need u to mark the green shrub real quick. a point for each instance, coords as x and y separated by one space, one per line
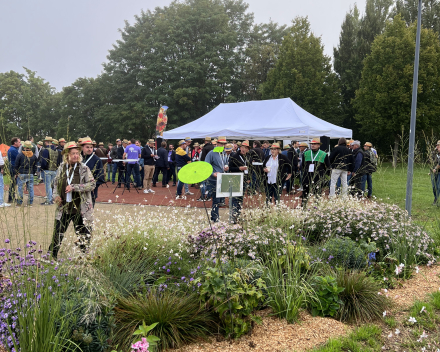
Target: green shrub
435 299
232 298
344 253
424 314
361 300
180 318
327 291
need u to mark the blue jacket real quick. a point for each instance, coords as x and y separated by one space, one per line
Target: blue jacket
218 162
181 157
12 155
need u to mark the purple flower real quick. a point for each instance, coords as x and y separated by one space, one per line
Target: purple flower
183 278
7 240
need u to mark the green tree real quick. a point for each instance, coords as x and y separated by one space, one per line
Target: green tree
383 100
430 12
188 56
27 105
304 74
357 35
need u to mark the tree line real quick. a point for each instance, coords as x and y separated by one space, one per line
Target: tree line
195 54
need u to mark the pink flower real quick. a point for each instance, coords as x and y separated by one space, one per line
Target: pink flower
140 346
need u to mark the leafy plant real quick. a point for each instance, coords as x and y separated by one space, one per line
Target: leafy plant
327 291
146 341
345 253
232 298
179 316
361 298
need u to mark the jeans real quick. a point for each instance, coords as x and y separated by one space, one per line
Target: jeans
49 176
367 178
109 171
25 179
435 180
115 168
132 168
337 175
181 184
61 227
2 188
212 193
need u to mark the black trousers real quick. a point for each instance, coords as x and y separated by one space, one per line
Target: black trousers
172 173
356 185
157 171
61 227
121 171
273 190
95 195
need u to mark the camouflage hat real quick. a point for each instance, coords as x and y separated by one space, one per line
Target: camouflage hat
27 144
54 141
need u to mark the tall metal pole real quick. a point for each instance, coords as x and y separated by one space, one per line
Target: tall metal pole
412 129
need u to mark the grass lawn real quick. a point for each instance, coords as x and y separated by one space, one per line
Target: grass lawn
389 184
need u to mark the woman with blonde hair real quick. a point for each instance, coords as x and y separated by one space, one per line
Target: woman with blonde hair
73 186
278 170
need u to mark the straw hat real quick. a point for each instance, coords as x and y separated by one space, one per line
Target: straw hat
27 144
239 144
94 142
438 142
125 141
275 146
368 144
196 144
187 139
101 143
222 140
54 141
208 139
69 145
48 139
61 140
286 146
118 140
151 141
40 143
244 144
182 142
316 140
228 147
303 144
85 140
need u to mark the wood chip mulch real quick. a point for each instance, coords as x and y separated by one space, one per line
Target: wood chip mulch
276 335
426 281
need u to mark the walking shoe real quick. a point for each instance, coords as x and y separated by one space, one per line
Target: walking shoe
189 193
200 199
151 191
45 197
47 203
113 182
221 204
164 185
146 191
174 184
154 185
180 197
3 205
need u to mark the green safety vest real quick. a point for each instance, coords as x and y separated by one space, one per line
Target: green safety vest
319 158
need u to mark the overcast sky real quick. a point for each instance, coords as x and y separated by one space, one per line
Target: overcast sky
63 39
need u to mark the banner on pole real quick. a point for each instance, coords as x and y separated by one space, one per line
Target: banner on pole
162 120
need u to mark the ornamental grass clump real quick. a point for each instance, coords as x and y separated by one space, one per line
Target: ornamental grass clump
362 299
179 316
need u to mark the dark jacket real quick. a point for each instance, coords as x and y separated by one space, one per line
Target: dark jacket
236 160
120 153
284 168
341 158
359 162
26 164
162 153
173 156
369 166
96 167
101 153
12 155
206 149
45 157
181 157
146 155
292 155
114 152
321 168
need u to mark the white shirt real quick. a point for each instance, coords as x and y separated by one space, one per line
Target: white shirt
2 162
272 174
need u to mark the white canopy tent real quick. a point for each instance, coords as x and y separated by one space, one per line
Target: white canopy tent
264 119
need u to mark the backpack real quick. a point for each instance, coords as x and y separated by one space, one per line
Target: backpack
53 160
373 157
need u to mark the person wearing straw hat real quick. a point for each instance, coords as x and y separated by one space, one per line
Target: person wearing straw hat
370 167
257 175
182 159
220 164
50 160
315 165
61 144
12 156
341 160
435 173
101 153
149 154
25 168
94 164
162 164
240 162
73 187
206 148
277 168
